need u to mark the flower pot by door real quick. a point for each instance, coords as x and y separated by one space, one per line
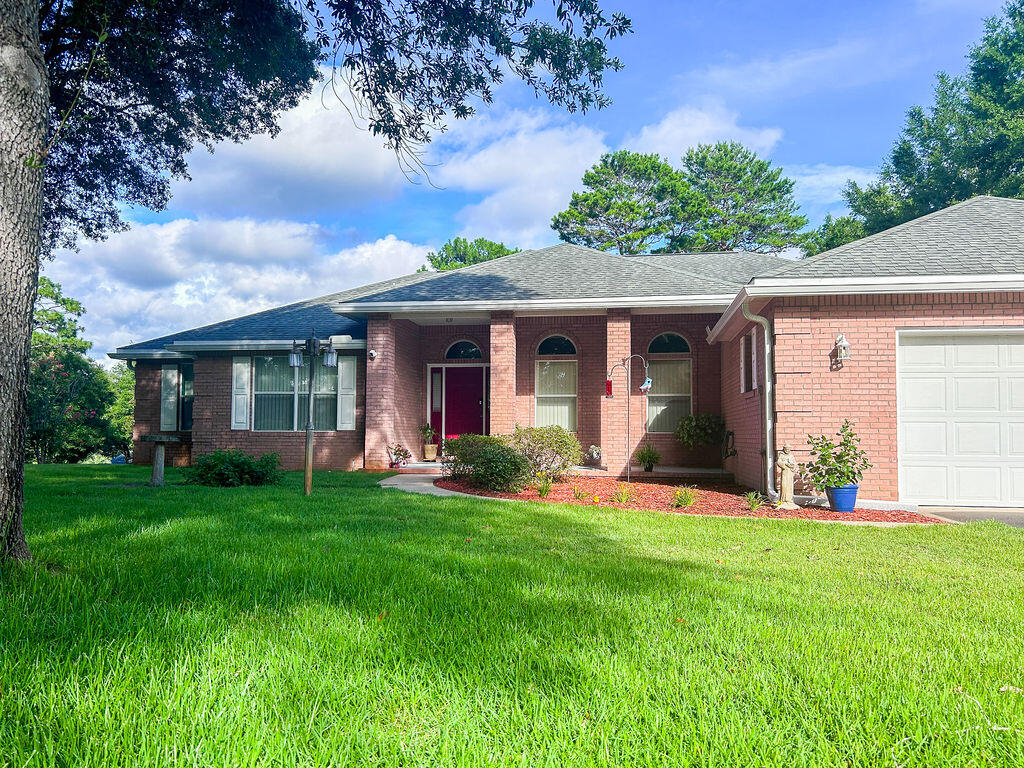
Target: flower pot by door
842 499
430 452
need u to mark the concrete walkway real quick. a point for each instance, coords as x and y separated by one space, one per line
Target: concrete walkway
1009 516
419 484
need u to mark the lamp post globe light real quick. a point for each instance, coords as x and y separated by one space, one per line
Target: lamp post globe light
312 346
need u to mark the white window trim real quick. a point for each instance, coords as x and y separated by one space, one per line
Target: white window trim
669 395
171 383
748 340
341 393
536 385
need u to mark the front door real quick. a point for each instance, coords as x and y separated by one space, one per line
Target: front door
463 401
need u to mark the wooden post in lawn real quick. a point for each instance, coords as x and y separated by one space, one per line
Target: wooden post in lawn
308 480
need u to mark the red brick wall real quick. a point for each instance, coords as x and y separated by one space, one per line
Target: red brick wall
707 392
614 409
342 450
380 391
147 419
744 414
813 399
503 353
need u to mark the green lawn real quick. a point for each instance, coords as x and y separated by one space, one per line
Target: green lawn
243 627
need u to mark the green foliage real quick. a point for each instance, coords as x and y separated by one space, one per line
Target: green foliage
230 469
460 252
754 500
427 432
685 497
578 493
55 320
832 233
700 429
835 463
623 494
121 411
294 605
647 456
747 204
542 484
968 142
632 203
552 451
459 454
497 467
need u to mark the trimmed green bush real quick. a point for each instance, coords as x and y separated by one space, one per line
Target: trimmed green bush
551 451
700 429
499 467
459 453
230 469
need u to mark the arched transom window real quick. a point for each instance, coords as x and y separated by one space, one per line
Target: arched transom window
671 371
556 384
463 350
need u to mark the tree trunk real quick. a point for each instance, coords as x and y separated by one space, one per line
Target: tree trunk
24 100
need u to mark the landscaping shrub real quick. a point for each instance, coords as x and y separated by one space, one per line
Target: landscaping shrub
542 483
685 497
498 467
755 501
624 494
700 429
230 469
460 453
835 463
552 451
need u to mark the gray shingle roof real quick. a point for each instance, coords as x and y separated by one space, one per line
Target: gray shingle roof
557 272
733 266
980 236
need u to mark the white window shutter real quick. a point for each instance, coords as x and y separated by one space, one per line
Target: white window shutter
753 359
168 397
240 392
346 392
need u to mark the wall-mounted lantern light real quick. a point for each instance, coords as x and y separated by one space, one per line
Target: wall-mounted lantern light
842 348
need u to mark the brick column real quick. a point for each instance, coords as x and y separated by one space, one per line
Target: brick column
503 372
380 391
614 454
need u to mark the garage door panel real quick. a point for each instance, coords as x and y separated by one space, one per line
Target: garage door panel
926 483
972 393
924 438
961 438
921 393
977 438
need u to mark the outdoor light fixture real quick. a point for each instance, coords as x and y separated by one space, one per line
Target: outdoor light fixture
842 348
313 347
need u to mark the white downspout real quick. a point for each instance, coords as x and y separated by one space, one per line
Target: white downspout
769 398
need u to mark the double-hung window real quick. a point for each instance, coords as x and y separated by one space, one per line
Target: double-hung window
556 384
176 397
281 396
671 394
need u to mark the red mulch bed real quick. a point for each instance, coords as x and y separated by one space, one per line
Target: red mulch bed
714 499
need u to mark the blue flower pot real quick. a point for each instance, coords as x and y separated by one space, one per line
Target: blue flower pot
842 499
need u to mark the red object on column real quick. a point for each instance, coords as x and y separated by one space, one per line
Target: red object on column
608 388
613 410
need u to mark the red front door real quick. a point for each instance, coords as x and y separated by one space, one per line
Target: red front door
464 398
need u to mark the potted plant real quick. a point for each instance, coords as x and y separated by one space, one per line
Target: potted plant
427 432
399 455
837 467
647 457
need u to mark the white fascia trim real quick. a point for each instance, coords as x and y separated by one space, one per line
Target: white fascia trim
261 344
144 354
704 300
833 286
771 287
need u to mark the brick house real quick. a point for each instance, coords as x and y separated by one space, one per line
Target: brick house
932 310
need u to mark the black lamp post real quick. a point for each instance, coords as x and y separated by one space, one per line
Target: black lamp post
312 346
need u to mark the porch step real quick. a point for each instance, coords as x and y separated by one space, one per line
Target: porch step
420 468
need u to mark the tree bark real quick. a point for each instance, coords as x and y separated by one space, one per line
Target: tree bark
24 101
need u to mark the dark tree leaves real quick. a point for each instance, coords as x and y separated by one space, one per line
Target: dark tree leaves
460 252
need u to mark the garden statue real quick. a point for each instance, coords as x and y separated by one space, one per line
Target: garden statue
787 468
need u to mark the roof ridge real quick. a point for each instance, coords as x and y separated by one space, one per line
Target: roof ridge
686 273
912 223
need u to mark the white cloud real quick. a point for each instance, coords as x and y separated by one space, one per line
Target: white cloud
690 125
319 161
160 278
819 187
526 165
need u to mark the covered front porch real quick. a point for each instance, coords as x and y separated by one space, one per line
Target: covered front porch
486 372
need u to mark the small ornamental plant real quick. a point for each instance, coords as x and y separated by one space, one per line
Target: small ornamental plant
624 494
542 484
578 493
685 497
400 455
427 432
700 429
754 501
647 457
836 462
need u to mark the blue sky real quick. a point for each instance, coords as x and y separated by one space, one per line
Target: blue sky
820 88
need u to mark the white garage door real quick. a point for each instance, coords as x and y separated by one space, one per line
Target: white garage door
961 438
